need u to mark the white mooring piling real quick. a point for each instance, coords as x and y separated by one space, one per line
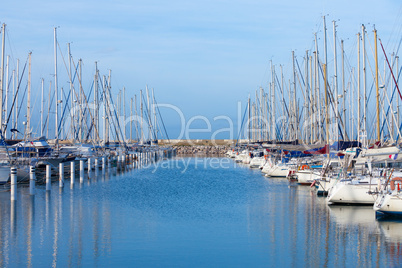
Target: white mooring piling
13 184
61 175
48 178
89 165
103 163
72 171
81 171
32 180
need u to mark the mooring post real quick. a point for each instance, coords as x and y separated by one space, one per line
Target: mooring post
32 180
48 178
89 164
82 171
72 171
13 184
61 175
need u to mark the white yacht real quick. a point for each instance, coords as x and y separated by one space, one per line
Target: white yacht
389 201
257 161
240 156
354 190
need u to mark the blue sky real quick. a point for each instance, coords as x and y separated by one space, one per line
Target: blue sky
202 56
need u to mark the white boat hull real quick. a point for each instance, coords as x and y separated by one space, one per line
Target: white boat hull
256 162
278 171
346 193
389 204
307 177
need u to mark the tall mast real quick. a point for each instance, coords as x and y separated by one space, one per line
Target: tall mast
249 118
48 109
283 101
12 117
311 103
364 79
124 113
136 118
325 81
256 121
306 104
154 110
344 91
61 127
28 125
317 91
264 114
290 133
71 87
358 84
253 121
96 98
149 114
131 120
142 119
104 111
109 87
351 103
80 130
16 99
6 97
273 103
335 86
295 126
2 73
397 102
55 88
377 86
42 107
326 106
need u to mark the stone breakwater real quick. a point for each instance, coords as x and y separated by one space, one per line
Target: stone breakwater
219 150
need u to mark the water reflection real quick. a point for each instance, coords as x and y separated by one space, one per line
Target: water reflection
230 216
30 218
356 222
346 216
392 230
13 218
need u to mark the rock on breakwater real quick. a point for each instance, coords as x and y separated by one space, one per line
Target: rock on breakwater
218 150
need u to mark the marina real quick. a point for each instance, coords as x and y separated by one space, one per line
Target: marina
180 134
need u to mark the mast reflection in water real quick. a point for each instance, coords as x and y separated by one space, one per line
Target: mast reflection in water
190 211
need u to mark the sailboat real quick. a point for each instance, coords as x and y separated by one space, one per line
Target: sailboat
389 201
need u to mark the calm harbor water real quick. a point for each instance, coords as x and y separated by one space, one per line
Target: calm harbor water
191 212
